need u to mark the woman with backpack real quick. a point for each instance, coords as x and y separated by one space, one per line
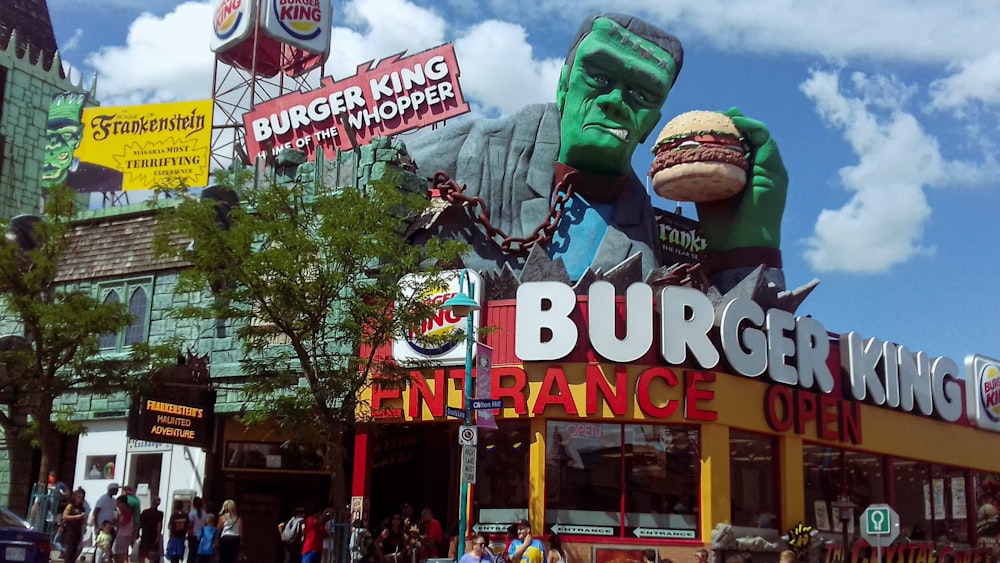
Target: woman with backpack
292 535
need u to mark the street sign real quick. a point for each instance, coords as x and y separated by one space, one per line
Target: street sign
453 412
879 526
468 436
487 404
469 464
583 530
490 528
666 533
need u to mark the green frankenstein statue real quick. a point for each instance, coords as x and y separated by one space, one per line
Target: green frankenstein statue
575 156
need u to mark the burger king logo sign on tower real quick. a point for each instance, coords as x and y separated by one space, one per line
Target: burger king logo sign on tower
300 18
227 18
302 23
231 23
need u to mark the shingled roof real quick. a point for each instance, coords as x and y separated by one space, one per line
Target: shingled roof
29 21
114 246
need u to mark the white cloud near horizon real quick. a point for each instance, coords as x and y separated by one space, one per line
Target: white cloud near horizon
165 58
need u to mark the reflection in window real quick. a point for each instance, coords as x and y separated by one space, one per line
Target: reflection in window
987 504
110 340
137 307
833 476
502 485
591 467
753 469
100 467
933 502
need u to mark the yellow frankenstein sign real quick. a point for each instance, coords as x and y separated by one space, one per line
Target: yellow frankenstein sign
152 146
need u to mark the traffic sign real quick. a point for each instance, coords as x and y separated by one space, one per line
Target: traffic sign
468 436
487 404
469 464
879 525
453 412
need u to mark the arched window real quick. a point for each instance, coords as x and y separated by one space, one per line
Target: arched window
110 340
138 307
137 293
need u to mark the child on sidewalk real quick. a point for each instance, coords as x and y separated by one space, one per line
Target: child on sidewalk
206 540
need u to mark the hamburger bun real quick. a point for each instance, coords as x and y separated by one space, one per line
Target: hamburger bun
699 157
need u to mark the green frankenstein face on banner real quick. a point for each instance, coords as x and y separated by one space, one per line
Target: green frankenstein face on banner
610 98
62 137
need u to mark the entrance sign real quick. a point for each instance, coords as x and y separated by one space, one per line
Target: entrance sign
469 464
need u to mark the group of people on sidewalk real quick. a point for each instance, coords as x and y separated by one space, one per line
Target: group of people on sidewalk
123 532
302 535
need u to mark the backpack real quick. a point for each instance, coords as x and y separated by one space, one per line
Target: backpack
292 534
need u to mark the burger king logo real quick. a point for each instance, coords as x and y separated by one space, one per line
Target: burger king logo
989 391
299 18
441 324
228 16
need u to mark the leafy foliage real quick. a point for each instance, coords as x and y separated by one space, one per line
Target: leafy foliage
55 345
310 280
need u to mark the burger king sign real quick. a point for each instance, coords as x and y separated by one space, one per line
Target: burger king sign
983 391
410 350
231 23
301 23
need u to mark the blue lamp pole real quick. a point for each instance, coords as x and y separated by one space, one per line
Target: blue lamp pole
463 304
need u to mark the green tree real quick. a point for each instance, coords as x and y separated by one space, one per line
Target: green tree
309 279
51 342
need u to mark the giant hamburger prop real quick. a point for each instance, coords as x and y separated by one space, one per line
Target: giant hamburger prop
699 157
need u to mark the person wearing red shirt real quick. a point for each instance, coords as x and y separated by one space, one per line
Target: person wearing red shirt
314 531
432 532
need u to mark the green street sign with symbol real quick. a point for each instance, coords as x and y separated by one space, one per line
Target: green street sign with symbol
879 525
877 521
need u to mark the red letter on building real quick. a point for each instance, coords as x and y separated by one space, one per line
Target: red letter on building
646 404
693 395
614 398
554 391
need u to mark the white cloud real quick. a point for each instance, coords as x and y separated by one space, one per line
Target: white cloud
381 24
499 68
975 80
165 59
882 224
73 42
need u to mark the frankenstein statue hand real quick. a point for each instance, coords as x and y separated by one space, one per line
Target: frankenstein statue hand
752 218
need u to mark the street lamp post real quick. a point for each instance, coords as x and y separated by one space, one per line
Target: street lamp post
464 304
845 511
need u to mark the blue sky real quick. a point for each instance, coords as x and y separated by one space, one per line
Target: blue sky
886 115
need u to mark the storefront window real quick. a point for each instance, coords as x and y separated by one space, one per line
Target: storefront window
988 511
910 478
594 470
839 484
501 493
753 469
950 523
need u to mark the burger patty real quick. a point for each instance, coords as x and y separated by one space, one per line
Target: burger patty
703 153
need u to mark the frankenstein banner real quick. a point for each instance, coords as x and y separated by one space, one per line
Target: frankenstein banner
95 149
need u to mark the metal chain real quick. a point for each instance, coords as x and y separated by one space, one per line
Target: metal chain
452 192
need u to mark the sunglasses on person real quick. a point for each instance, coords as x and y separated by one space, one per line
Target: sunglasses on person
480 543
